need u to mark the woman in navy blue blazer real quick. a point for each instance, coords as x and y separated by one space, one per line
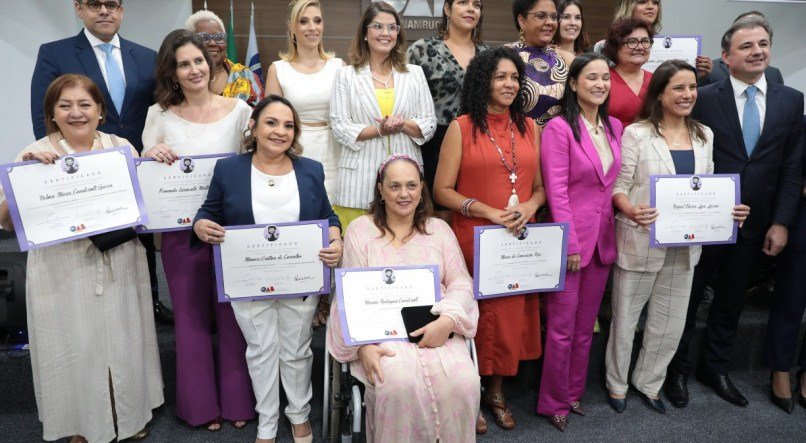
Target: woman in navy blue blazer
272 183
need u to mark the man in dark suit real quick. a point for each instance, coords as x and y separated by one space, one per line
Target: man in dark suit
758 134
123 70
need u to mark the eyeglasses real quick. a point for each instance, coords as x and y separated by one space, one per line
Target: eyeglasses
542 16
95 5
633 43
218 37
379 27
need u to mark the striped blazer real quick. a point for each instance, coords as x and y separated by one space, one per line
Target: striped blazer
644 153
353 107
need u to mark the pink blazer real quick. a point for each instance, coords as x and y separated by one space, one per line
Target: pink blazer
579 191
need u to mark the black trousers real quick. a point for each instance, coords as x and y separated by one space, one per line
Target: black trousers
728 268
151 256
430 151
788 301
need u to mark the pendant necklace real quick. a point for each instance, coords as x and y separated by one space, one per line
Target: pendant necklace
513 177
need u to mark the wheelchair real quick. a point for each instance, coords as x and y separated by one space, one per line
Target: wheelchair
342 405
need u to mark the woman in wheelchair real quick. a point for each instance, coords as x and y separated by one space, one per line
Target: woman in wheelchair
414 392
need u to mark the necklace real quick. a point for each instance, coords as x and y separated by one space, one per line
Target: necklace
513 177
676 140
203 123
385 83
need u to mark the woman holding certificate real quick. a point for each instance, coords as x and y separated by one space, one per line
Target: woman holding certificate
581 152
96 368
189 119
414 393
489 173
379 105
664 141
273 183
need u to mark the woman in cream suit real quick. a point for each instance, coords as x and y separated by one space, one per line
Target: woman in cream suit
664 140
380 105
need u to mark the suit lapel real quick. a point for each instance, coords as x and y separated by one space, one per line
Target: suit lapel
727 101
303 207
589 149
770 116
401 90
663 154
245 180
129 71
86 56
367 95
699 155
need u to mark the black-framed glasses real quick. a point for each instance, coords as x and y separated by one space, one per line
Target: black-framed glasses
542 16
218 37
95 5
392 28
633 43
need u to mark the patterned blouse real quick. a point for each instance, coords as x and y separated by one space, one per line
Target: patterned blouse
444 75
546 73
242 83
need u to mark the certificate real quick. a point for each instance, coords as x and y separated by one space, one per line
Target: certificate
370 300
78 196
279 260
505 264
693 209
674 47
174 193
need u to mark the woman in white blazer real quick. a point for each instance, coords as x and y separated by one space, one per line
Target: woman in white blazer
664 140
380 105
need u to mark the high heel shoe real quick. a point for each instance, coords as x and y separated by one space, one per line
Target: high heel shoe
801 398
784 403
305 439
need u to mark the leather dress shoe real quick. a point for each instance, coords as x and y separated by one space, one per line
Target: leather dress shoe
801 398
787 404
162 314
618 404
676 389
654 404
576 408
723 386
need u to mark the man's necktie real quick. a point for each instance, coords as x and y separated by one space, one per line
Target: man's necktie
114 78
751 121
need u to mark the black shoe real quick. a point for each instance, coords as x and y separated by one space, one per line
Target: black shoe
677 389
618 404
801 398
787 404
162 314
723 386
654 404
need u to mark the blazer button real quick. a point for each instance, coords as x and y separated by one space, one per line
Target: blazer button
598 209
602 188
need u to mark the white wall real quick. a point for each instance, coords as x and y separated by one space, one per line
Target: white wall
711 18
24 25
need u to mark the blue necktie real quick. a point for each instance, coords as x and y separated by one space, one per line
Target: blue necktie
751 121
114 78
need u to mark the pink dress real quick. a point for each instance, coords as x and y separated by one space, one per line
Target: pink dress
428 394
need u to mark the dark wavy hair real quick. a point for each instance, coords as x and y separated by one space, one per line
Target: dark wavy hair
477 88
520 7
358 53
424 210
569 106
442 27
249 143
618 32
581 43
168 93
652 110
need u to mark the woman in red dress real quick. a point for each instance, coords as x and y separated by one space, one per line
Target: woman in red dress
489 173
628 44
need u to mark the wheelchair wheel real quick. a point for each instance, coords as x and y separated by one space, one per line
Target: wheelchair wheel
335 410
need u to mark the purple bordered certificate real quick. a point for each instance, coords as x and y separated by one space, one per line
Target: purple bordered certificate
505 264
370 300
174 193
79 196
694 209
279 260
674 47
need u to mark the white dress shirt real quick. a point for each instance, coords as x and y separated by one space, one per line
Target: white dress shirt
739 88
95 42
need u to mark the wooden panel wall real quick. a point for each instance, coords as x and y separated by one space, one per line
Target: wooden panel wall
341 19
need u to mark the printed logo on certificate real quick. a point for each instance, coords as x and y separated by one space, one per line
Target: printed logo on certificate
694 209
674 47
370 299
79 196
278 260
506 264
174 193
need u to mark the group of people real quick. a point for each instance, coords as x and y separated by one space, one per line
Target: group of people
537 130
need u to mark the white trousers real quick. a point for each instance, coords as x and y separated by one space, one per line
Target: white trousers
278 346
667 293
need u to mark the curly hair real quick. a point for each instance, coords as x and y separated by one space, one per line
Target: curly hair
569 106
652 110
581 43
168 93
249 143
477 89
358 53
424 210
442 27
618 32
203 15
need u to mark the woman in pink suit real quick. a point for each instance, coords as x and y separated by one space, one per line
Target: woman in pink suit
581 159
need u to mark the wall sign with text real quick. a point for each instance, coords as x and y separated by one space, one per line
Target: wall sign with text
419 17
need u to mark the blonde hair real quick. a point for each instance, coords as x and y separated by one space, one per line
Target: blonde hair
203 16
627 7
295 10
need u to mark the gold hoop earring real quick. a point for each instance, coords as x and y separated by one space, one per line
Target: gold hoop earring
521 38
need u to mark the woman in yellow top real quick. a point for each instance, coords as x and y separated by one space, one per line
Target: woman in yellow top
230 79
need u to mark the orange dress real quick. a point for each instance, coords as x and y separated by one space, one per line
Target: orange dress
509 327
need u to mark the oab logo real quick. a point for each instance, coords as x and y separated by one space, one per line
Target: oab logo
513 286
689 236
266 289
391 333
183 221
78 228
